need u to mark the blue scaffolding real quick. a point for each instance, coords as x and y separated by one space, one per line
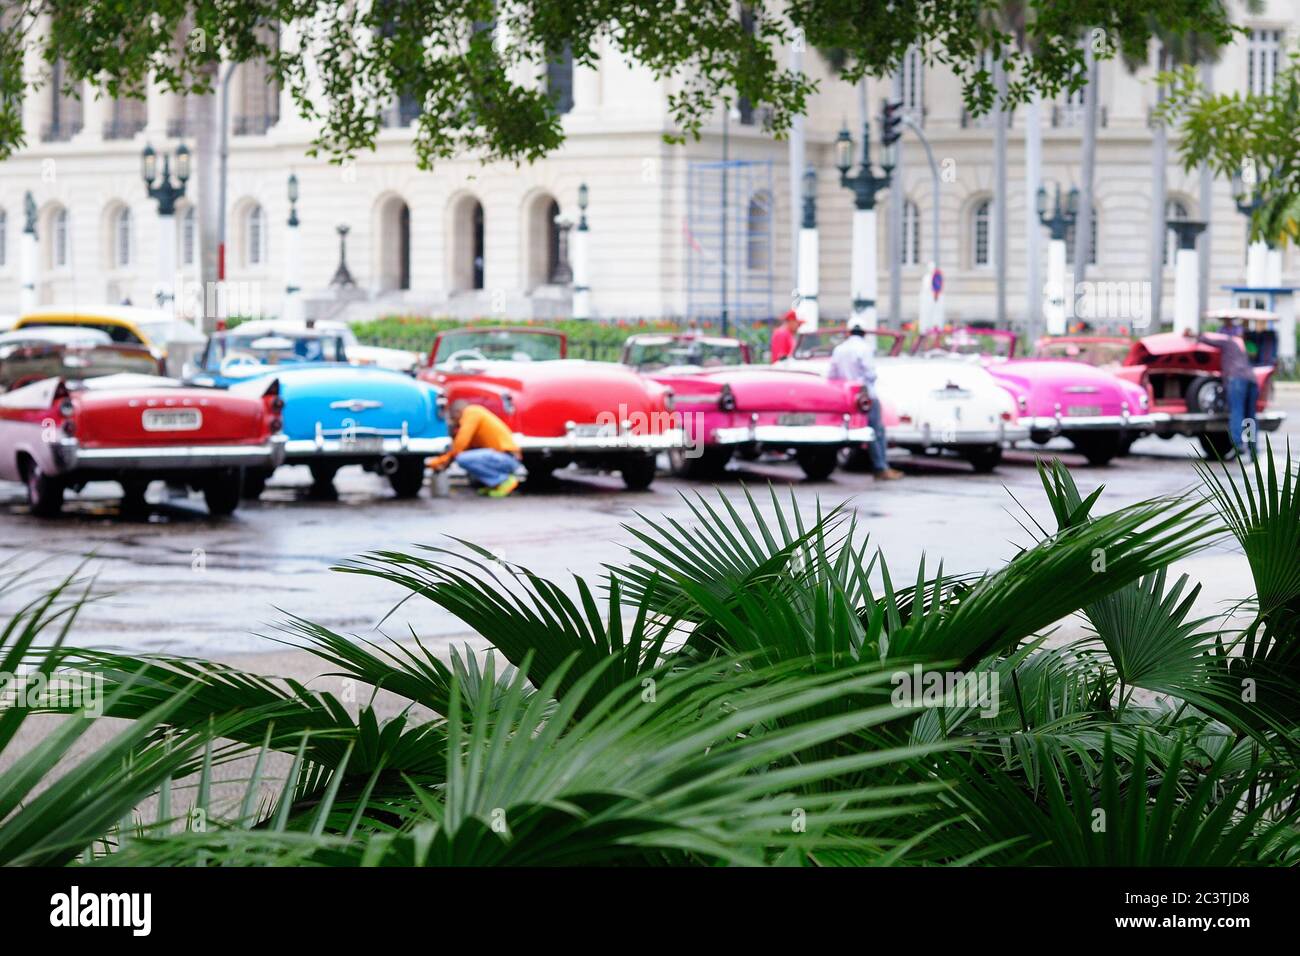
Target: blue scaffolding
729 247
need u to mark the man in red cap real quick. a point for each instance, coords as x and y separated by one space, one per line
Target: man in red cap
783 336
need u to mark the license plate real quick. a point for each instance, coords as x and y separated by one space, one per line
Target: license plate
363 443
594 431
172 419
1083 410
952 393
797 418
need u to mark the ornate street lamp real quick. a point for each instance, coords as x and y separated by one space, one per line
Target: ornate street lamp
342 277
166 193
1058 220
864 184
292 288
808 278
580 254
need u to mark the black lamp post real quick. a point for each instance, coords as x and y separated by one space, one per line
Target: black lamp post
582 207
1061 219
163 190
293 201
864 183
342 277
809 182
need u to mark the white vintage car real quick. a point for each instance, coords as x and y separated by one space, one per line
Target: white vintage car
397 360
929 406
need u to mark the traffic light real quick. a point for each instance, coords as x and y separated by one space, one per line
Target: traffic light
891 118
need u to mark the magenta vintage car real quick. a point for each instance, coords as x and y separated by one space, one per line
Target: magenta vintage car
1099 412
729 406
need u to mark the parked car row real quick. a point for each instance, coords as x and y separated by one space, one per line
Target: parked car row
94 394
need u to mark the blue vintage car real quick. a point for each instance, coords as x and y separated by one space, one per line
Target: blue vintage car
335 413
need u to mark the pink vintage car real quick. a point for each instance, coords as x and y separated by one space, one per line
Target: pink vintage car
1100 412
729 406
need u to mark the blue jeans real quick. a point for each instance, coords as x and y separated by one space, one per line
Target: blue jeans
487 466
877 448
1243 394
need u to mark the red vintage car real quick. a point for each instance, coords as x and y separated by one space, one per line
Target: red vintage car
1184 376
64 432
729 406
596 414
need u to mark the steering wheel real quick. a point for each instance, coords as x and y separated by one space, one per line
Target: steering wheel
238 359
465 355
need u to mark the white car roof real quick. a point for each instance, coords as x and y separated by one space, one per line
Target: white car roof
62 334
287 327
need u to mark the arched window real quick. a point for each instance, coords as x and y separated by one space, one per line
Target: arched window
255 237
467 246
480 260
1092 245
394 246
122 238
1174 209
4 238
189 237
59 251
910 254
980 218
758 232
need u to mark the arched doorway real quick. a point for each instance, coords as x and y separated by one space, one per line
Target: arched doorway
394 230
468 245
542 254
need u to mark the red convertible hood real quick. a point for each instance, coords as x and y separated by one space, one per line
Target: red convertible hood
548 394
113 417
766 389
1165 343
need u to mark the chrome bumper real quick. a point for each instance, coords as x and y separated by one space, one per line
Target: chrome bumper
572 442
1194 423
71 456
364 442
1057 424
928 437
789 435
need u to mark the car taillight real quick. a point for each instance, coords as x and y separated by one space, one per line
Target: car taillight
726 399
1006 416
276 424
66 408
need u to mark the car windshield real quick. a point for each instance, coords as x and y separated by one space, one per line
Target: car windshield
667 351
21 364
964 342
1091 353
262 349
171 330
820 344
507 345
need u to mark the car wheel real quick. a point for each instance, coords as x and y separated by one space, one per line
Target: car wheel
1205 394
44 493
1126 444
638 472
255 480
709 463
408 479
1098 449
541 471
1216 445
985 459
222 492
322 480
857 459
817 463
133 492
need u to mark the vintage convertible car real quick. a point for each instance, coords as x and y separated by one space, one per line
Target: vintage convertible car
31 354
335 414
174 341
929 406
347 349
103 424
1187 388
1099 412
597 414
729 406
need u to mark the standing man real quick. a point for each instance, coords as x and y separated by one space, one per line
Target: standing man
484 446
783 336
1239 383
853 361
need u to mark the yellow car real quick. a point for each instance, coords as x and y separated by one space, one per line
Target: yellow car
171 339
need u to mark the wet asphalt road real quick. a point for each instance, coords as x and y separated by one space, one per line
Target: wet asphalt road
182 583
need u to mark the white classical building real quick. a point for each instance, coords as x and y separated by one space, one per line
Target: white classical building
471 239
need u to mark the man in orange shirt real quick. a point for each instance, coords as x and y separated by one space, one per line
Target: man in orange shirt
484 446
782 344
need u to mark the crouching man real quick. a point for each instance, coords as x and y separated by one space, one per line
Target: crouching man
484 447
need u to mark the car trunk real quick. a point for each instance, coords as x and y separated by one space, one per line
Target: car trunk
166 417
